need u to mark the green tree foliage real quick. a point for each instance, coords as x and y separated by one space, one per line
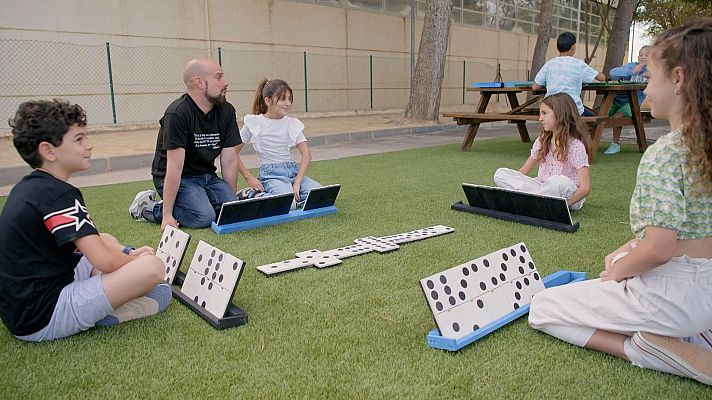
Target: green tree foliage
659 15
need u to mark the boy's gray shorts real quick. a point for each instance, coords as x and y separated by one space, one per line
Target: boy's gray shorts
80 305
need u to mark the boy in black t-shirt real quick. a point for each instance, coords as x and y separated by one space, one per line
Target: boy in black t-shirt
58 274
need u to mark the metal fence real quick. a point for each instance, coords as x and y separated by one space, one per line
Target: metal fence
133 85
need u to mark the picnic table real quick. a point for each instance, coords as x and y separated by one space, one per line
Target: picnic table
519 114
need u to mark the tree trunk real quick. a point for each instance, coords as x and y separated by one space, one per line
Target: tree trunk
542 38
618 39
426 87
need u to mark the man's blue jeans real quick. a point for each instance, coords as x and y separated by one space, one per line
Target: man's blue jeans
198 200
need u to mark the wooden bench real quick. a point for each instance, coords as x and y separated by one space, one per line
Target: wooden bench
595 124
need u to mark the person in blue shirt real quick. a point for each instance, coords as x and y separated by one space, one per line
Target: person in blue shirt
621 106
566 74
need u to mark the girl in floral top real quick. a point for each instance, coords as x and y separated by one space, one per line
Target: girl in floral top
653 302
563 151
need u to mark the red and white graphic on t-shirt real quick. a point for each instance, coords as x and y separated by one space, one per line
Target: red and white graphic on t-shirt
75 216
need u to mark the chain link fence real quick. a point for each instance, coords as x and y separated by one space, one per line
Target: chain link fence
133 85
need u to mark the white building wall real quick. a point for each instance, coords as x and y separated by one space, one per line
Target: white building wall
152 40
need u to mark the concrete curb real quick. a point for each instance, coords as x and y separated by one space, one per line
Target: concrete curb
10 175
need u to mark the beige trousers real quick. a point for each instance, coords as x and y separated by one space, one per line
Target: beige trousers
673 300
557 185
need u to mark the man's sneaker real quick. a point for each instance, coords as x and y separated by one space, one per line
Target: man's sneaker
141 202
613 149
690 360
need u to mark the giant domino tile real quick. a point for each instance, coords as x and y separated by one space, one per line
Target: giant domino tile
210 283
171 250
323 259
471 295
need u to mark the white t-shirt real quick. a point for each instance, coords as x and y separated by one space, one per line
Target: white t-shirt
272 138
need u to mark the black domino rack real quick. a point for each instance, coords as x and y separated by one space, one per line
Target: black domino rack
234 316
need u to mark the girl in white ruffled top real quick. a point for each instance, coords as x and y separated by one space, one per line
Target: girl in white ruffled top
272 134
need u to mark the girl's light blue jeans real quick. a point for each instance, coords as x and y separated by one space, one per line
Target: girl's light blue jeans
279 178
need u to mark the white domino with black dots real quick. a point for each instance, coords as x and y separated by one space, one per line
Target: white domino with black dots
467 297
329 258
171 250
212 278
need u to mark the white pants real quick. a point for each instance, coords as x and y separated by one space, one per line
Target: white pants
557 185
672 300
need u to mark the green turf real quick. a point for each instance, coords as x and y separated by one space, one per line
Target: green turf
356 330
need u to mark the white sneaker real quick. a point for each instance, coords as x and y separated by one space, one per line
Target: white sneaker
140 202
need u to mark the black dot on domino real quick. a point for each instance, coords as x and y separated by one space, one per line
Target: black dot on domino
461 295
434 295
172 233
177 244
451 300
505 257
480 304
536 276
234 266
516 306
220 257
463 283
210 262
200 257
202 281
210 286
521 270
518 285
486 263
430 284
212 253
215 274
494 281
448 290
502 277
220 278
503 266
475 327
168 269
206 271
522 259
443 279
531 265
523 248
465 271
473 267
517 296
456 327
483 286
513 252
526 281
439 306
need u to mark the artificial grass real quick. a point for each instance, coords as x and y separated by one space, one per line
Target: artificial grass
356 330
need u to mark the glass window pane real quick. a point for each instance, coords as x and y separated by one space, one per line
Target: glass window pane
366 4
457 16
507 24
398 7
490 22
491 7
527 27
474 5
471 18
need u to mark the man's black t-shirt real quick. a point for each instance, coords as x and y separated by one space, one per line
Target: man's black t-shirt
203 136
39 223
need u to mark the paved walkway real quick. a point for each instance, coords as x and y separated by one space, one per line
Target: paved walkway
125 156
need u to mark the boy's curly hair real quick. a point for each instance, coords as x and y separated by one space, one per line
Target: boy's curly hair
43 121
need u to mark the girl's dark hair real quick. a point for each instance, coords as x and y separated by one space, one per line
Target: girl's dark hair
43 121
568 125
689 47
275 89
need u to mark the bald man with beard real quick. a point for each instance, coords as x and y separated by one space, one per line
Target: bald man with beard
195 130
